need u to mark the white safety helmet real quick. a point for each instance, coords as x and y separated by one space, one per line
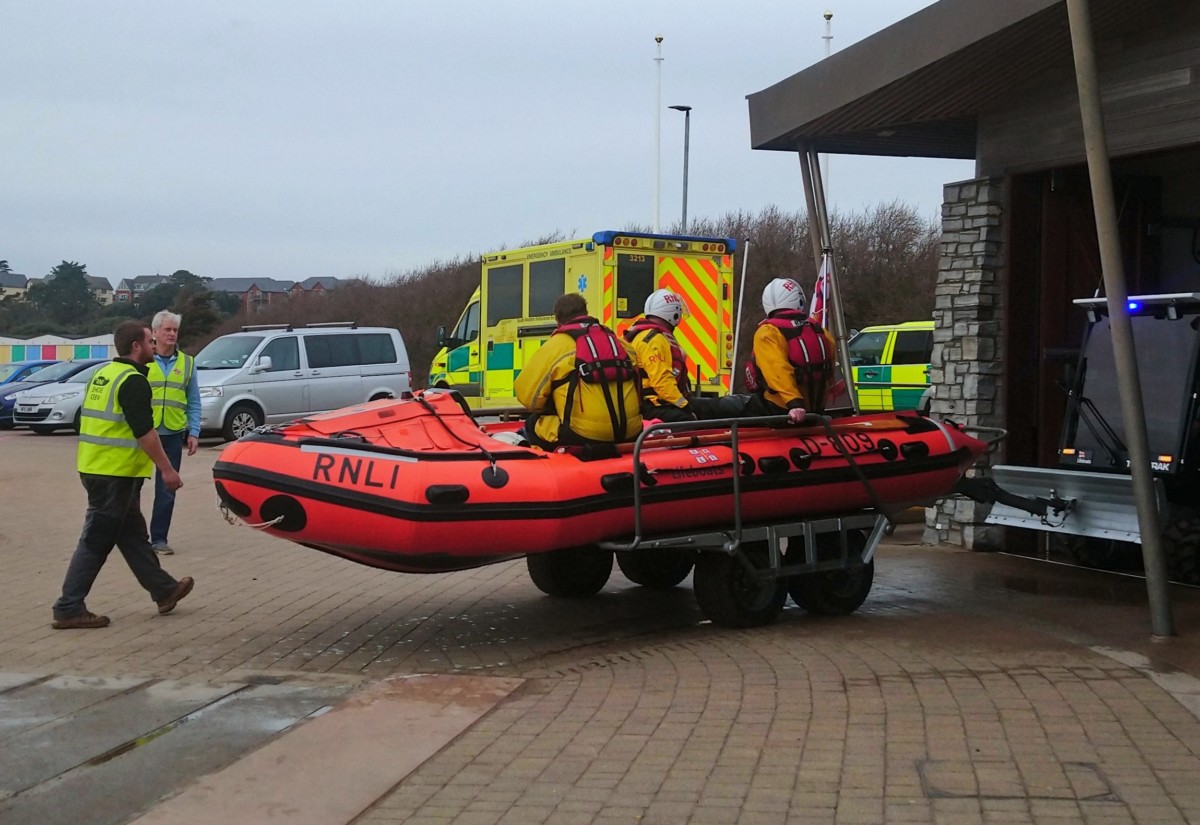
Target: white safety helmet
665 304
783 293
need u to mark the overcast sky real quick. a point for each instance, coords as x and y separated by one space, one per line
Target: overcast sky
373 137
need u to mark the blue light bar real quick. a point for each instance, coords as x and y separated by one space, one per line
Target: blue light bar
1134 306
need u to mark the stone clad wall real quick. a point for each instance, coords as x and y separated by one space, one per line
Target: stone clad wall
966 371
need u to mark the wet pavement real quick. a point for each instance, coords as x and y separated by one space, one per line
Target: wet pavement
969 688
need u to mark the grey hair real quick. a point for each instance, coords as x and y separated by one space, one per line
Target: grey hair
163 315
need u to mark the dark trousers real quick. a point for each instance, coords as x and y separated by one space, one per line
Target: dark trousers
703 408
114 518
164 499
759 406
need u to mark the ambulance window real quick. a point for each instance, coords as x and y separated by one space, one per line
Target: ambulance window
504 293
547 281
635 282
866 349
468 325
912 347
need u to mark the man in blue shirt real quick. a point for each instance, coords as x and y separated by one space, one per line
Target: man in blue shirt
176 397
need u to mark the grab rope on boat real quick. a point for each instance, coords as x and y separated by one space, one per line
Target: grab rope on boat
230 517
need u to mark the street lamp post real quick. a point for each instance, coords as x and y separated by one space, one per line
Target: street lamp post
687 130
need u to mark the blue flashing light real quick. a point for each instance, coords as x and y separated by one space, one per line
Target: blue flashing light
1134 306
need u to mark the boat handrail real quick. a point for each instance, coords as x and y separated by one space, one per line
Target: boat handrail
734 425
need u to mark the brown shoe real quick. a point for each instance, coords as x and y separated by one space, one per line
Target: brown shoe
182 588
82 621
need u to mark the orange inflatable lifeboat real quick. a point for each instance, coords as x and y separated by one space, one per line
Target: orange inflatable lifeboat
419 486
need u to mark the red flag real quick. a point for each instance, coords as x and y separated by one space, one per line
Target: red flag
820 294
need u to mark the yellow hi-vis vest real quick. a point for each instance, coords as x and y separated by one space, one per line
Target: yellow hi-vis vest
169 392
106 443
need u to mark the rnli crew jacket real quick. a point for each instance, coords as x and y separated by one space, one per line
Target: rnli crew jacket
652 355
176 393
542 385
779 374
115 414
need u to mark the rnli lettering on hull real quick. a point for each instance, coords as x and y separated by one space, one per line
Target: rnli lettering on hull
361 472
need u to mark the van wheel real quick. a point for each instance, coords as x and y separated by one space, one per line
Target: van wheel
379 396
242 419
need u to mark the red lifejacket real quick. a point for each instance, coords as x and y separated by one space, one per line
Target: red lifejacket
808 352
657 326
600 359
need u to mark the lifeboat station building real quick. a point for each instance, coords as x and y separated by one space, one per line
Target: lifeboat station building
995 82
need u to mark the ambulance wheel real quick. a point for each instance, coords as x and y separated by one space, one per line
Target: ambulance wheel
731 596
656 569
835 592
571 573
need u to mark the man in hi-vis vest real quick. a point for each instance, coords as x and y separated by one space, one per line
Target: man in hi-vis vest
118 449
176 395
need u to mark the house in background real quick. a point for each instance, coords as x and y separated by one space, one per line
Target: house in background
102 290
12 283
314 286
254 293
130 290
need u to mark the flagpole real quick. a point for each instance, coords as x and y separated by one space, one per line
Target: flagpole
822 239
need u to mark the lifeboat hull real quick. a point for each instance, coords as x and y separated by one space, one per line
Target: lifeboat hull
418 486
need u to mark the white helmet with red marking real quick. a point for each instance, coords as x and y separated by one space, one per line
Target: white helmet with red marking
665 304
783 293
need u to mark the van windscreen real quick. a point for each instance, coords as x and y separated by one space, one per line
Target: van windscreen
228 352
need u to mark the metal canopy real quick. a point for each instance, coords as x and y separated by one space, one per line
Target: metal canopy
917 87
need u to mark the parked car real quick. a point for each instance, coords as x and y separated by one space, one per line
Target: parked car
20 370
891 366
277 373
54 405
55 372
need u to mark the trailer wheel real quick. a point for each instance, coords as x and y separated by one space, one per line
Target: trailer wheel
1181 546
729 595
572 572
656 569
835 592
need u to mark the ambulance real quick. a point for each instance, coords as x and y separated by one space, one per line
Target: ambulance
511 313
891 366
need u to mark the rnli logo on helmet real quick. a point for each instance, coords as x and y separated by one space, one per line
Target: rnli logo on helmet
790 286
670 298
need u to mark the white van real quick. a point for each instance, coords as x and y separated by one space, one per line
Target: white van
276 373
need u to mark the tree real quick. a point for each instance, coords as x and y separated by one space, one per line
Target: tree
4 268
157 298
65 295
196 304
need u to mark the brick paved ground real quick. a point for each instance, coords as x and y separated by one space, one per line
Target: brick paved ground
969 689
